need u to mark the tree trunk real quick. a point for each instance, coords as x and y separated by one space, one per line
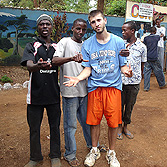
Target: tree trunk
15 50
100 5
35 4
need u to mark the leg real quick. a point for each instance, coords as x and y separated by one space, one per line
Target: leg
132 92
147 75
81 115
95 133
34 118
70 106
161 56
54 113
94 153
158 73
123 102
112 135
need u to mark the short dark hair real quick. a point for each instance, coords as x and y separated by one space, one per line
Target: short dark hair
157 19
93 13
152 29
79 20
132 24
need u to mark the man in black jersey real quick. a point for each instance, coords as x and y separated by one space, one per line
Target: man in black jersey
43 92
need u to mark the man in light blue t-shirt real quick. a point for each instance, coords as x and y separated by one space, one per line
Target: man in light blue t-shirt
103 70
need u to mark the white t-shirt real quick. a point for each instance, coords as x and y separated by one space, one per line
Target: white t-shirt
159 31
67 47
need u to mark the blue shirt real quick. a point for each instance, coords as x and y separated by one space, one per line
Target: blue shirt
105 62
151 42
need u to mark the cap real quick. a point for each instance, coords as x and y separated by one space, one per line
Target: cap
44 17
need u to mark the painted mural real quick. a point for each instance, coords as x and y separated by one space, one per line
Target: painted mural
18 27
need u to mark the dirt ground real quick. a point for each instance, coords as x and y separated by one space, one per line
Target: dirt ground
147 149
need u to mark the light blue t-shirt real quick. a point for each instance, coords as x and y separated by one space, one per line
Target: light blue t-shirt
105 62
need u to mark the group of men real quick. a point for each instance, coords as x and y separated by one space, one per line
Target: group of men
102 58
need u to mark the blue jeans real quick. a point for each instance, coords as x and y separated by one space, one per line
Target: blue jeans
161 56
73 109
157 69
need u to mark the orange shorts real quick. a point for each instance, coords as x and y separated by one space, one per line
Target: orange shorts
107 101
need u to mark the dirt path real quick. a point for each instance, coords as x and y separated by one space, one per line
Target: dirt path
147 149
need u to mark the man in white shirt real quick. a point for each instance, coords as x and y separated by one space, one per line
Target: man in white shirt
161 32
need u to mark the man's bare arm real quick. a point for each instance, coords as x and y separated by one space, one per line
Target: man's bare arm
74 80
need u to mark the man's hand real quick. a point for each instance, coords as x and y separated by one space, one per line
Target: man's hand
124 52
78 58
71 82
128 72
43 64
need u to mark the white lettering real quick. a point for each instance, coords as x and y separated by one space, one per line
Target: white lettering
47 71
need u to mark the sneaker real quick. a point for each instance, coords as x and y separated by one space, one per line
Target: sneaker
112 160
55 162
32 163
92 157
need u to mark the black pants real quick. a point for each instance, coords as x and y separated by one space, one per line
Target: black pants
129 95
34 118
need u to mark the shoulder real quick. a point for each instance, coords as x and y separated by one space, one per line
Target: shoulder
117 38
33 44
141 45
64 40
89 41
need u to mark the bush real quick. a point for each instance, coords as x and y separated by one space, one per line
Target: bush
13 60
5 43
5 49
5 79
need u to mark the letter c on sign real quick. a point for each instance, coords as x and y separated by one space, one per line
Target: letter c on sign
133 10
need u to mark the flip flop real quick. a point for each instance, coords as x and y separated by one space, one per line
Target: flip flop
74 162
129 135
102 148
119 136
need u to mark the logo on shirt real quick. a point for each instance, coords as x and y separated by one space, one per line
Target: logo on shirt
47 71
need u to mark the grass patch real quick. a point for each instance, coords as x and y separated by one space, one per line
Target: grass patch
24 41
6 54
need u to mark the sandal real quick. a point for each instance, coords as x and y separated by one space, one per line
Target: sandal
129 135
102 148
119 136
74 162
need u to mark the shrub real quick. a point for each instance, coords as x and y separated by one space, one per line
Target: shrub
5 79
5 49
5 43
13 60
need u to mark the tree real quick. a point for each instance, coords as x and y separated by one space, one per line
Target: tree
19 24
100 5
60 27
113 7
109 7
2 29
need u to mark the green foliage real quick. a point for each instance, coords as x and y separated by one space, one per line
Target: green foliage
77 6
117 7
5 79
13 60
5 54
2 29
25 3
24 41
5 44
